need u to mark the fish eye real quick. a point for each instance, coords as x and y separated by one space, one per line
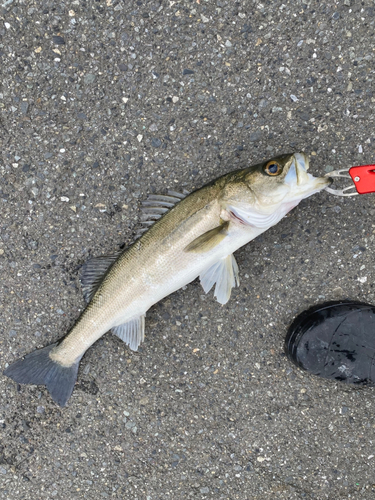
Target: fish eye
273 168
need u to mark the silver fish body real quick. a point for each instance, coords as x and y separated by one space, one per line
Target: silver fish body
196 237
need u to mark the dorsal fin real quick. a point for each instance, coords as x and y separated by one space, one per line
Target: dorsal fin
157 205
177 194
93 272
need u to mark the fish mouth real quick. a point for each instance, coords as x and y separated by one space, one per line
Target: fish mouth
300 180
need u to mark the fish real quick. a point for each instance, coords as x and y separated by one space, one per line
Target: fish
185 236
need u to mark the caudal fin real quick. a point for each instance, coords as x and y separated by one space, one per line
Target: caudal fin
38 368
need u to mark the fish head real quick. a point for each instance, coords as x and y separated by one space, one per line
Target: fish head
271 188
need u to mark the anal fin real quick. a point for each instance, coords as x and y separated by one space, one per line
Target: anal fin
132 332
225 274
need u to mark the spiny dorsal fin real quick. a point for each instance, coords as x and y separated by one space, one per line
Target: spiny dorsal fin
157 205
132 332
93 272
177 194
225 274
207 241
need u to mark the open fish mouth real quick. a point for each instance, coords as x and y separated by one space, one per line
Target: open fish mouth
302 160
300 181
297 174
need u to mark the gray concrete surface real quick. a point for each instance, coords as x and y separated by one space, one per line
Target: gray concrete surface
103 102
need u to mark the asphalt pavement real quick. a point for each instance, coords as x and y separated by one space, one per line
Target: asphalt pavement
103 102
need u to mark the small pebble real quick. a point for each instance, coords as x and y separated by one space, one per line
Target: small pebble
156 143
89 78
24 107
58 40
255 136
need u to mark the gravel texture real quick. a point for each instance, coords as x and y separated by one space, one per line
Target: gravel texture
102 102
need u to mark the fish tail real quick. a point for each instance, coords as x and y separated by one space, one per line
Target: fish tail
39 369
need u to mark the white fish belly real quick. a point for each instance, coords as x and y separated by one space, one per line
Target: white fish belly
191 265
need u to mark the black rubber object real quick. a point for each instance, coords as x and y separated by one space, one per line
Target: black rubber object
335 340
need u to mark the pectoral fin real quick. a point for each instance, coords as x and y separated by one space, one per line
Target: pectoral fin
132 332
225 274
207 241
